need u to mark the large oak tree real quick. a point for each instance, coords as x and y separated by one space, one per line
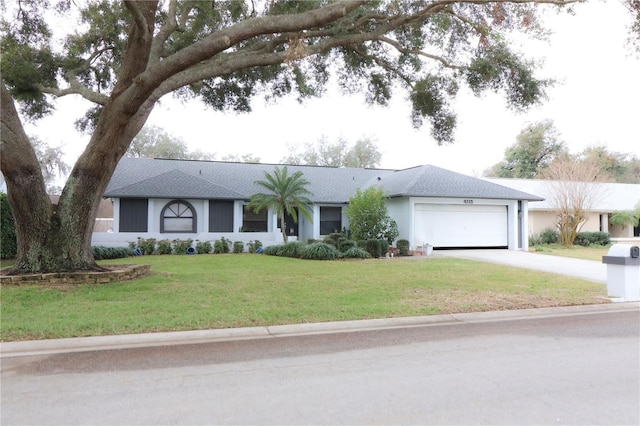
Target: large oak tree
124 57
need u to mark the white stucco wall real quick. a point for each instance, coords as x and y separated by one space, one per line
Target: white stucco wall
306 229
402 210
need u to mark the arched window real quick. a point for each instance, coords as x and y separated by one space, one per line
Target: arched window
178 216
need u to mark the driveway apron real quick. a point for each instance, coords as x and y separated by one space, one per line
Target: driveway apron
586 269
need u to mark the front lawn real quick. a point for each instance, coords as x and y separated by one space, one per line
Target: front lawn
222 291
579 252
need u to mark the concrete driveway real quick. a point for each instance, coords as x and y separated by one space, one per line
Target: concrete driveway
586 269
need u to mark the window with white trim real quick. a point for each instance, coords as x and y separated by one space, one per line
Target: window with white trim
178 216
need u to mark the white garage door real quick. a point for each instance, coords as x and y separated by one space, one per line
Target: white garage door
443 225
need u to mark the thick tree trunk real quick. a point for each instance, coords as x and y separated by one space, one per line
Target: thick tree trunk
30 204
54 238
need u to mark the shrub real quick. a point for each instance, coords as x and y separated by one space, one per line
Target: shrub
319 251
373 247
587 239
292 249
384 247
147 246
330 241
344 245
335 237
203 247
222 246
274 250
403 247
181 246
102 252
164 247
238 247
356 253
535 240
601 238
254 245
368 216
8 241
549 236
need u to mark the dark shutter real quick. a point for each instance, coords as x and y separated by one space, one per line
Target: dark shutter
220 216
134 214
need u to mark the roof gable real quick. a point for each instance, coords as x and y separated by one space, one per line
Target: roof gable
176 184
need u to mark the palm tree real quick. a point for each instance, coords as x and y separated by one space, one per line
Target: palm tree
626 217
285 195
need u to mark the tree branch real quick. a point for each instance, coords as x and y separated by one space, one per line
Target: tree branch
165 31
138 16
401 49
75 88
221 40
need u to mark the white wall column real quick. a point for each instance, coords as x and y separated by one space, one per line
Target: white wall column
237 215
604 222
153 219
203 221
512 223
316 222
116 214
525 225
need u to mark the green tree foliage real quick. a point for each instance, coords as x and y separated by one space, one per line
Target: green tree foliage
286 194
364 153
537 145
8 244
154 142
52 165
123 57
368 217
621 167
244 158
626 217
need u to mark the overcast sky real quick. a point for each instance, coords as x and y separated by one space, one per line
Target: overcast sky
596 101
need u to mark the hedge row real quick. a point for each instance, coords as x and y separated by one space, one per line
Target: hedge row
315 251
151 246
586 239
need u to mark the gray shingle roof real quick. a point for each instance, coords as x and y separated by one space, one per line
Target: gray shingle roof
432 181
161 178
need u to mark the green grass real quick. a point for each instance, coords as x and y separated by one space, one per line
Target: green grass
6 262
222 291
578 252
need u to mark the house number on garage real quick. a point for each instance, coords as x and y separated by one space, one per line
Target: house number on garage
468 201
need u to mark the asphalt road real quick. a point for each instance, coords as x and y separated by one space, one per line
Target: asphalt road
571 369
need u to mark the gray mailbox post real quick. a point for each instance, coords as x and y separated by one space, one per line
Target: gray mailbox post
623 272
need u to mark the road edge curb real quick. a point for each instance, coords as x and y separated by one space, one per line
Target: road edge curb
130 341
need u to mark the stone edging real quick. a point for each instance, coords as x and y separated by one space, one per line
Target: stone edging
122 273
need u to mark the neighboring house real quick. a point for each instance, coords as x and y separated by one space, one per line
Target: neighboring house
104 215
614 197
206 200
